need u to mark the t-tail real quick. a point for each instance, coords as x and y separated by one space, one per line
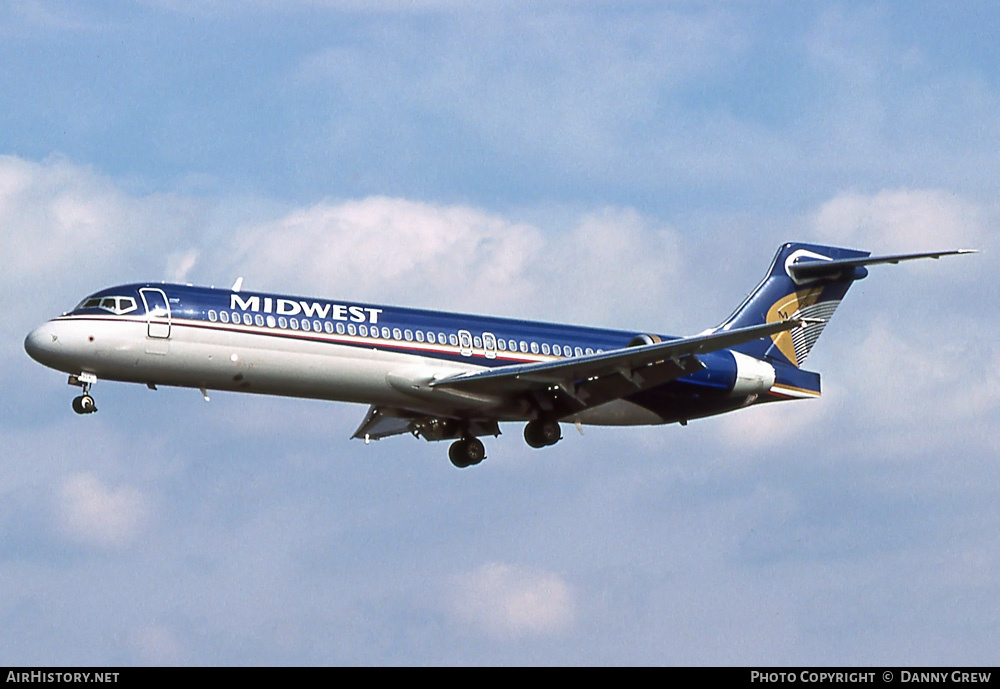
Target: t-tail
785 294
805 282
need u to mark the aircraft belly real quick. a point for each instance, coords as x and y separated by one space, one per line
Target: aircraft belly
275 366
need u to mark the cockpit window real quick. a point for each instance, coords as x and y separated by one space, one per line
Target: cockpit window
116 305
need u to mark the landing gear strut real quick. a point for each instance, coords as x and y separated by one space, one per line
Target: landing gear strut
84 404
466 452
542 433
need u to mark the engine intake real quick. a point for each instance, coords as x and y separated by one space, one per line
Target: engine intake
643 339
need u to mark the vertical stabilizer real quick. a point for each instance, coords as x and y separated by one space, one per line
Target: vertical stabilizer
783 295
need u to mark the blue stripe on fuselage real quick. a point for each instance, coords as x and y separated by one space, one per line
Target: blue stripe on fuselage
190 306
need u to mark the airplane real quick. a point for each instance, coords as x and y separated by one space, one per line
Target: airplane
445 376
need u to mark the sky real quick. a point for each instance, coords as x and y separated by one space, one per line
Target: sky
622 164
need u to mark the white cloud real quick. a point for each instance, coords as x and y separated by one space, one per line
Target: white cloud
93 513
66 230
456 257
386 248
901 220
927 393
508 601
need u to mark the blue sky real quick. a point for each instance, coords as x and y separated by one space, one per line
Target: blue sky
631 165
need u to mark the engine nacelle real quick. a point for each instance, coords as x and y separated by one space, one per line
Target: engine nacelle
643 339
753 376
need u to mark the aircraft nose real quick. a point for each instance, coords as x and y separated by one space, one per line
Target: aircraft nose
41 343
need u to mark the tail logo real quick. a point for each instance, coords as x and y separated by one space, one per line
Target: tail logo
795 256
795 344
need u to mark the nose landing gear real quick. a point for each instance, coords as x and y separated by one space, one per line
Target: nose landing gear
84 404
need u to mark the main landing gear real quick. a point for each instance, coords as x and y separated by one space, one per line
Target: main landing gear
542 433
469 451
466 452
84 404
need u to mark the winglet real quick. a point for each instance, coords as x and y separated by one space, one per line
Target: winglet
238 285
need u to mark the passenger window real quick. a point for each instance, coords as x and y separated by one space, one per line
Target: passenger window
534 348
524 347
408 335
557 350
453 339
579 352
270 322
545 348
247 319
589 350
341 329
258 320
224 317
477 342
212 315
420 336
502 345
396 334
294 322
352 329
282 322
328 327
305 325
385 333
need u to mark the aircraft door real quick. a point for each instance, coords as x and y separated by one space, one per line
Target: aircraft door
490 345
465 342
157 312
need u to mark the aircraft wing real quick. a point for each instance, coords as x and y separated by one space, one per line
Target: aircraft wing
639 367
814 268
562 386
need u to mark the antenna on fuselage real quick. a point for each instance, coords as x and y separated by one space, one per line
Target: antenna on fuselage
238 285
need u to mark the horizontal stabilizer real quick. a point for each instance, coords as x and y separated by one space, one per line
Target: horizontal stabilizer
816 268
